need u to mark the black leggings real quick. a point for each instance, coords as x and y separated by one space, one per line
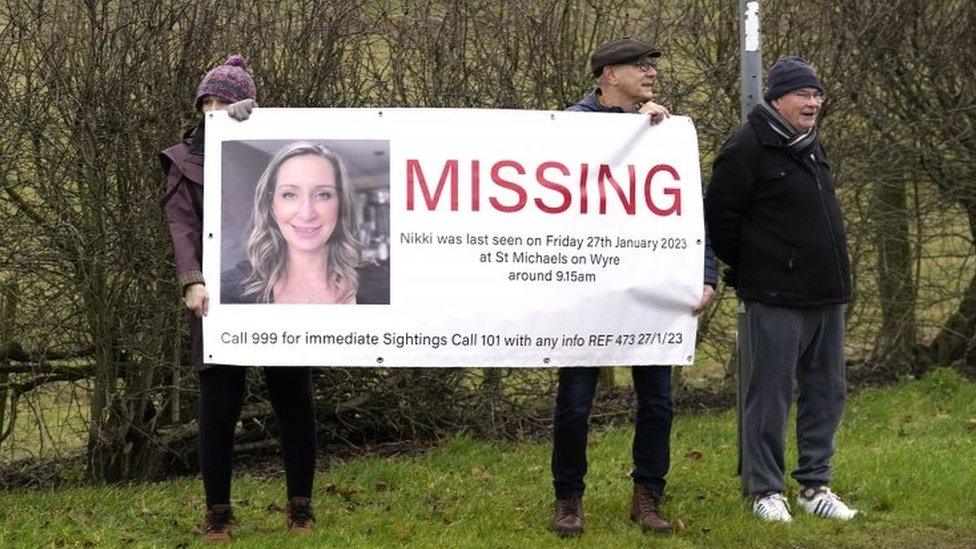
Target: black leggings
221 397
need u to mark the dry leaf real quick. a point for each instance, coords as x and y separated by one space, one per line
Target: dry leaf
479 473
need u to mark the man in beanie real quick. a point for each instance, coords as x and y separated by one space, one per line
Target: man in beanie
625 70
775 220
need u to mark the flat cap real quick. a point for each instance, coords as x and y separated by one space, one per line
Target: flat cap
621 50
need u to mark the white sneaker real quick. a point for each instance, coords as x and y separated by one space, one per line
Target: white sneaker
772 507
821 502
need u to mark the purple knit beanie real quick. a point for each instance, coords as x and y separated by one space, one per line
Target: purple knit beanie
788 74
229 82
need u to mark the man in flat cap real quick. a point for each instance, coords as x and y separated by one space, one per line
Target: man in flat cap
625 70
776 222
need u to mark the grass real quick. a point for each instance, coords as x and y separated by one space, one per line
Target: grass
905 459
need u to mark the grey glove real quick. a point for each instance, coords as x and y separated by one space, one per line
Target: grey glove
241 110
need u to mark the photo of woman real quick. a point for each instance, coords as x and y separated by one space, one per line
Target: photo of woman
304 245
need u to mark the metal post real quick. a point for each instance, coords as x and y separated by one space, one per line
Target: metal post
750 67
750 64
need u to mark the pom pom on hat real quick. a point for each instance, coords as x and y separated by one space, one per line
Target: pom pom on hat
229 82
236 60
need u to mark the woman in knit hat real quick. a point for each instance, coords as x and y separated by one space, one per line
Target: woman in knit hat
230 87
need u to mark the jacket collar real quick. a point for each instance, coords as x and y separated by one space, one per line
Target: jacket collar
592 103
765 134
768 137
195 158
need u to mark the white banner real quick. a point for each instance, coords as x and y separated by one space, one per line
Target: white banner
492 238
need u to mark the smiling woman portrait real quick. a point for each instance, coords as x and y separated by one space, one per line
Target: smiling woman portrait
302 246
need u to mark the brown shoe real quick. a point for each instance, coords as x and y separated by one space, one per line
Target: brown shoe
646 509
568 520
300 516
217 523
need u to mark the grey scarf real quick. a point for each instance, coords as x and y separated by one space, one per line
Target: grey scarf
798 143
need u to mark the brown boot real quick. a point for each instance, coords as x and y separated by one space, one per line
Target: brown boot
568 520
217 523
646 509
300 516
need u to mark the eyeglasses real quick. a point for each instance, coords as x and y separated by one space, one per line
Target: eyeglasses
806 97
643 66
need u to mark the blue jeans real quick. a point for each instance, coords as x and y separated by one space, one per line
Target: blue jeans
652 436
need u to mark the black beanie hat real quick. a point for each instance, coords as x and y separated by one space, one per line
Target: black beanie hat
788 74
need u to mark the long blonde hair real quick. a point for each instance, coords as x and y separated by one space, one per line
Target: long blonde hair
266 247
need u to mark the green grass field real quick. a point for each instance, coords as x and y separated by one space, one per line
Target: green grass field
906 459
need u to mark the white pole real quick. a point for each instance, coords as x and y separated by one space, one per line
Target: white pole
750 67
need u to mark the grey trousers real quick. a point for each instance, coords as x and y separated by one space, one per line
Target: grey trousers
805 343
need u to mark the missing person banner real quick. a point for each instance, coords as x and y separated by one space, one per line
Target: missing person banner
448 237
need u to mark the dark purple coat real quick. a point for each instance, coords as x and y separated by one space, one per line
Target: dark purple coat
183 204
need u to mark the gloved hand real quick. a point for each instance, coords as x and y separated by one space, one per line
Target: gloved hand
241 110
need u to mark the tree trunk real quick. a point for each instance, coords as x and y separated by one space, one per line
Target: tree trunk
492 381
8 310
104 444
957 333
895 349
